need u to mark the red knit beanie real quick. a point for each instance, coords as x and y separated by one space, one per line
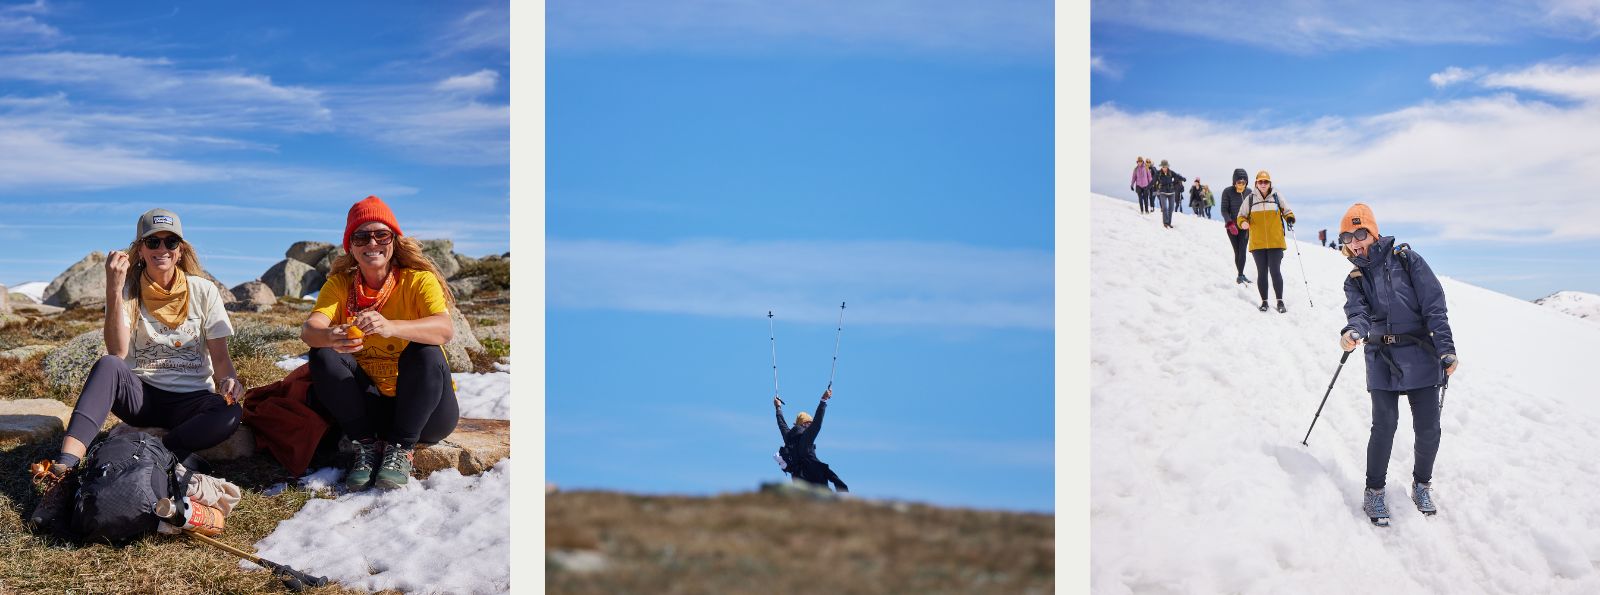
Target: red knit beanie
368 209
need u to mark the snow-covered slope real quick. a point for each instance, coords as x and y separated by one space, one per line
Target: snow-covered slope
1576 303
33 289
1199 403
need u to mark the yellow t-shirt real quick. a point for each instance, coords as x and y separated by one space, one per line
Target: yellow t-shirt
417 294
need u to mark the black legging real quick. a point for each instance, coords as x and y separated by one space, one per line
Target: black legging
195 420
423 408
1424 423
1144 198
1269 259
1241 245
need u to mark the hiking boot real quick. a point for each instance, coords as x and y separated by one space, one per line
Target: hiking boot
366 458
55 484
1377 510
1263 305
1281 309
1422 495
395 470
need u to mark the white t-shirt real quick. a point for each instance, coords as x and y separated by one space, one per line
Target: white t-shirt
171 359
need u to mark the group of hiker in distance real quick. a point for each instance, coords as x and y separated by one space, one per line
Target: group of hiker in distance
1394 308
377 374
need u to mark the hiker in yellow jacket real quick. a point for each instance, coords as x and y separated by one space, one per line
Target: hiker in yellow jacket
1266 215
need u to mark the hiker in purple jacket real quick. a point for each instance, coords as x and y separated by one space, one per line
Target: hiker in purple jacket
1141 184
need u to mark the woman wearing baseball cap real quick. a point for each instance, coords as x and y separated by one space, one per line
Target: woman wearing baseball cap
1265 215
167 364
376 337
1395 306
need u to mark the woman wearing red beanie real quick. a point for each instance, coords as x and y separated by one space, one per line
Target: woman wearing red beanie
376 333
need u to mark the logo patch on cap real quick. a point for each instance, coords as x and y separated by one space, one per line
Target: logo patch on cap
1355 221
161 219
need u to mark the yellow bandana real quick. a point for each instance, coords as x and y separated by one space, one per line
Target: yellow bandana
170 306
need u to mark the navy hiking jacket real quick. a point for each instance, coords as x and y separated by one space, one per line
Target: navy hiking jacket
1395 294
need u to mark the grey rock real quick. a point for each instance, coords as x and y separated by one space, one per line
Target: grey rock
462 345
222 290
5 304
68 365
577 561
465 261
82 285
308 252
465 288
36 309
20 298
325 264
474 447
292 278
253 296
442 253
25 352
27 420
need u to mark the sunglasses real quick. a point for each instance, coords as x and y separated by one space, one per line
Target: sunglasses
381 236
171 242
1359 234
1260 182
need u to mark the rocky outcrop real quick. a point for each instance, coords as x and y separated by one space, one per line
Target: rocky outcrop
474 447
68 365
325 264
308 252
467 287
292 278
28 420
442 253
222 290
253 296
462 345
25 352
82 285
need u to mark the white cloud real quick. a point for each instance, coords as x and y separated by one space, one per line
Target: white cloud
1450 76
1097 63
477 83
1319 25
916 283
37 158
1497 168
485 28
19 26
919 25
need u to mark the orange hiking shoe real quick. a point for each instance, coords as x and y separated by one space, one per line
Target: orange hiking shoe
55 484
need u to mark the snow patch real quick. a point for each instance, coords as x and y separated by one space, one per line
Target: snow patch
444 534
1199 402
322 479
290 363
1576 303
32 289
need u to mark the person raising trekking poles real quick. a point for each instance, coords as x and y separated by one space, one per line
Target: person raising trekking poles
800 442
376 337
167 364
1265 216
1141 184
1395 306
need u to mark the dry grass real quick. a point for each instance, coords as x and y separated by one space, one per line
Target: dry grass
25 379
766 543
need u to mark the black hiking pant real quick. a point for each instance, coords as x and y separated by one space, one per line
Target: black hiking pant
194 420
1269 260
423 408
1241 243
819 473
1386 417
1144 198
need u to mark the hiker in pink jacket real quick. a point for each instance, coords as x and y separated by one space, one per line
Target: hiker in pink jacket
1141 185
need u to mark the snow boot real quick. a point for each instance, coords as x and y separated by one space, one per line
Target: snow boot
1377 510
395 471
1263 305
55 483
1281 309
1422 495
360 473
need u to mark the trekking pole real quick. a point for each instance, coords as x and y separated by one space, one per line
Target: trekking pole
1302 265
774 338
1325 396
839 331
293 580
1445 363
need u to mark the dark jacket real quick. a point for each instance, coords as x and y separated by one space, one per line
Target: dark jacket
1381 297
802 445
1232 200
1169 182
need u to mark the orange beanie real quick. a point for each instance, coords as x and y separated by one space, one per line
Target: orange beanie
368 209
1359 215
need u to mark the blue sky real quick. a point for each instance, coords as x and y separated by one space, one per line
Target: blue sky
708 161
1469 127
258 124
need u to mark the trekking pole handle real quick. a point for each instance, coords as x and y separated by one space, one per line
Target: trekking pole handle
292 577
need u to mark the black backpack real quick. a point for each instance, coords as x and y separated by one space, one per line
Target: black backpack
120 482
